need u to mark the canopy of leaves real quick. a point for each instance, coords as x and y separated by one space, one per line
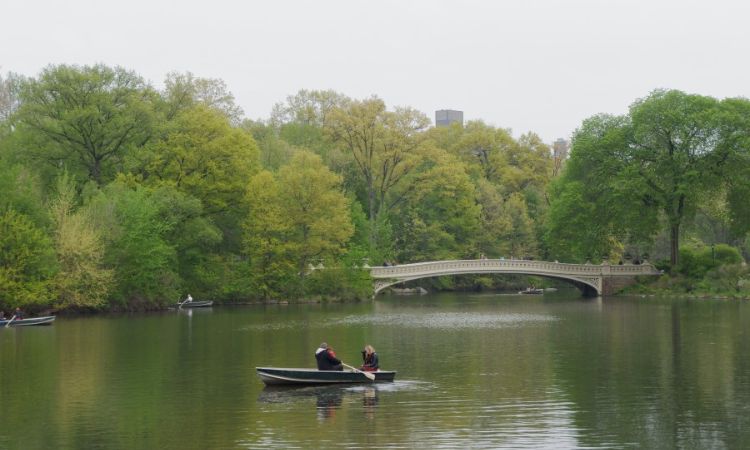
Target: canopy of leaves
659 161
27 262
83 118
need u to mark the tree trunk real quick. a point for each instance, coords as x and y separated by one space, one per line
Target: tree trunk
373 215
674 244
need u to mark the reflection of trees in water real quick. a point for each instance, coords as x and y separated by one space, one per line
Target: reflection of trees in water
328 399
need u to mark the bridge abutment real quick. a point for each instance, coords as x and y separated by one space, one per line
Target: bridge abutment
613 285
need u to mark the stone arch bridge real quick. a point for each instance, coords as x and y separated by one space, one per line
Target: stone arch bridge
591 279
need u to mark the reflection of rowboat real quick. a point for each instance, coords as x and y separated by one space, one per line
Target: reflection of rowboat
326 394
280 375
45 320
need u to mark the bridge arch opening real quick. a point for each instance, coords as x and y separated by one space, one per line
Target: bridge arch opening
587 289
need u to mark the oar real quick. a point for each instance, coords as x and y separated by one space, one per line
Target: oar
369 375
11 320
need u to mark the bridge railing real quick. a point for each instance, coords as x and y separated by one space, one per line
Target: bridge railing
510 265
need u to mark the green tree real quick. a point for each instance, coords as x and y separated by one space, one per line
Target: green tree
136 246
496 225
274 151
307 108
735 142
386 147
199 153
440 217
298 218
9 101
266 238
84 118
300 123
184 90
82 281
202 155
27 262
202 267
660 159
22 191
315 209
673 151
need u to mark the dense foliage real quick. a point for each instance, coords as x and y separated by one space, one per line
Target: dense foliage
117 195
673 169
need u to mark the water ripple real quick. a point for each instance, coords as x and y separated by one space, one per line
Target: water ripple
450 320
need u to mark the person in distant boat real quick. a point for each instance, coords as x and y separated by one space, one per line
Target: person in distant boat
18 313
370 359
2 315
189 299
326 358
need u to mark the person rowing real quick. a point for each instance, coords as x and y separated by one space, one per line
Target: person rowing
326 358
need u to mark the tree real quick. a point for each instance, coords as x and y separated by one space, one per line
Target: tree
22 191
673 151
183 91
300 121
136 247
296 219
385 146
84 118
735 143
274 151
202 155
82 281
315 209
27 262
307 108
595 207
440 217
9 100
266 238
496 225
660 159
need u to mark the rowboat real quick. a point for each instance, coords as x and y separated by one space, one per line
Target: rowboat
532 291
198 304
280 375
45 320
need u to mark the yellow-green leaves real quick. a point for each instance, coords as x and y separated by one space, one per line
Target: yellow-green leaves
82 281
296 218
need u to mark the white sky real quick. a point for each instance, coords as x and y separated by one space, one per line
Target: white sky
528 65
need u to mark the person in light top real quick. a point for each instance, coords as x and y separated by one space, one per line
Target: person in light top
326 358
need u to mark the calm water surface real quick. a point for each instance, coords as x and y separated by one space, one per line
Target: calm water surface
474 371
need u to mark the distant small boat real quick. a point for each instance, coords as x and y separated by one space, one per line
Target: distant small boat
45 320
409 291
280 375
199 304
532 291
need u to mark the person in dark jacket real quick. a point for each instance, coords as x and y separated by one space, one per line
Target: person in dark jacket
370 359
326 358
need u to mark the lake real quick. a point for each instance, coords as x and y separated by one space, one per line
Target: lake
474 370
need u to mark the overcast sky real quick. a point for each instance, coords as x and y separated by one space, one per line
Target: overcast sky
527 65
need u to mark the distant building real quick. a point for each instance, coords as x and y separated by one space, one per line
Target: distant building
445 117
560 150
